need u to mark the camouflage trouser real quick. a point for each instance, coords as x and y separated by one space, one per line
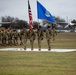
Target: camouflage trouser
39 43
0 41
4 40
15 40
21 41
24 43
31 42
53 36
49 44
9 41
54 33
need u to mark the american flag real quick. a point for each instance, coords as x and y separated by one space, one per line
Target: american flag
30 16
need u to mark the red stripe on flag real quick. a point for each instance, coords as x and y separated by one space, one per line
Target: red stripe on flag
30 16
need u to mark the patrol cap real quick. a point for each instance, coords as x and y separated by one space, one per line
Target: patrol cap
39 26
48 26
25 26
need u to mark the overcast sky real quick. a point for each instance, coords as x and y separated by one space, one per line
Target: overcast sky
19 8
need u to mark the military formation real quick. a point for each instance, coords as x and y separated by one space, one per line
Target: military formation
12 36
8 36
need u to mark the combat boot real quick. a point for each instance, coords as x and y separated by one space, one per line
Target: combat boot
39 48
24 48
49 49
32 48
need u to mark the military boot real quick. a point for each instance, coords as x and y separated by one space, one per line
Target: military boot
49 49
40 48
25 48
32 48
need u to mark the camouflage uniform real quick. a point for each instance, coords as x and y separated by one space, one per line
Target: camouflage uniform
4 37
32 36
48 37
40 36
20 36
24 37
9 34
0 37
15 37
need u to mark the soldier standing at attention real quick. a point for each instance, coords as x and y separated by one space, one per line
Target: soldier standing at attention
31 35
48 37
20 36
15 37
24 37
4 37
40 36
9 34
0 37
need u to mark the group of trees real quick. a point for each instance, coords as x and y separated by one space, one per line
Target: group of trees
73 26
19 24
73 21
14 22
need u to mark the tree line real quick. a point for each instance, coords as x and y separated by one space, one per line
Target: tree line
19 24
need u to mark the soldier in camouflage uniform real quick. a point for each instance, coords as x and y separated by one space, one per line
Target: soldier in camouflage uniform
24 37
40 36
4 37
9 34
20 36
15 37
48 37
0 36
32 36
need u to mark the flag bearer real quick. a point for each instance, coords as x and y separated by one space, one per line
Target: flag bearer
32 36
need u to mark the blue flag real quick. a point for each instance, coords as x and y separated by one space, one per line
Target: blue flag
43 13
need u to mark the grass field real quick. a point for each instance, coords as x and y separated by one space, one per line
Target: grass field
62 41
41 63
37 63
65 40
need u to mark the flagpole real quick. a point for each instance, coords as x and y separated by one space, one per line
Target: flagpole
37 17
38 22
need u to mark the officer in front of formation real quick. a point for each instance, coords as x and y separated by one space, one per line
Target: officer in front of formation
40 36
49 37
